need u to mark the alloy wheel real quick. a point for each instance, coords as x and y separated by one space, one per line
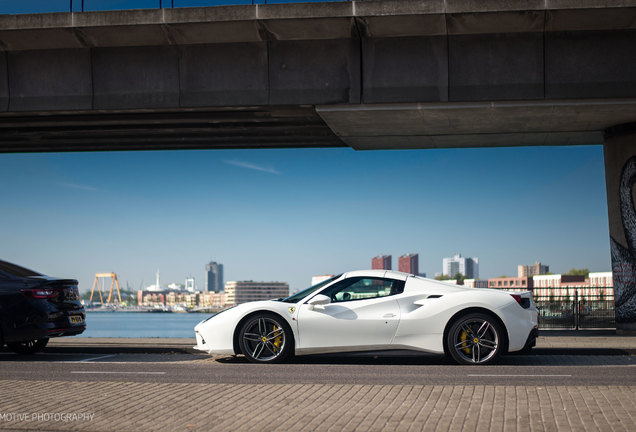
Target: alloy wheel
263 339
474 339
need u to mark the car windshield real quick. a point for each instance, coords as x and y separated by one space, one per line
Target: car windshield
304 293
16 270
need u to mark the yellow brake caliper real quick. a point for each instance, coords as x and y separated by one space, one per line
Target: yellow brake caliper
463 338
278 341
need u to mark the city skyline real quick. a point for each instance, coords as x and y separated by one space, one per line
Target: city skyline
286 215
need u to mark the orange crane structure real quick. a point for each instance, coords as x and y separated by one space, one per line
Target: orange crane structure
114 282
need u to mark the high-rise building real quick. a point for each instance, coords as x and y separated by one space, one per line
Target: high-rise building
214 277
531 270
381 262
409 263
190 286
237 292
469 267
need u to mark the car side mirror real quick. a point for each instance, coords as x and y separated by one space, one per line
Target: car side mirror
319 301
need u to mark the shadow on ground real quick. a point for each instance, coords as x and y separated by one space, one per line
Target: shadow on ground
543 357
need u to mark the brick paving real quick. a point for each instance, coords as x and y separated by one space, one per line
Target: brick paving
136 406
156 406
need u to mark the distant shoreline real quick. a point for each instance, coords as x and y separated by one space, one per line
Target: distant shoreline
146 311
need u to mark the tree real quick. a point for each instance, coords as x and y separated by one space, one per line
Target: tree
577 272
460 278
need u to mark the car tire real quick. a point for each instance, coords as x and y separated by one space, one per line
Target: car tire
266 338
475 339
28 347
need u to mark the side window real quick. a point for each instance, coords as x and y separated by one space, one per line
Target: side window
362 288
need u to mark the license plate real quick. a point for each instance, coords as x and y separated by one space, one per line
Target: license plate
76 319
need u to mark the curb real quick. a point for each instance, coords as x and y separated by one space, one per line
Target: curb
119 349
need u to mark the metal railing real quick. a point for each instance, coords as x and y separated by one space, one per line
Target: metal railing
48 6
579 312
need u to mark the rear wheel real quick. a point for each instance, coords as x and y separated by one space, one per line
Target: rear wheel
266 338
475 338
28 347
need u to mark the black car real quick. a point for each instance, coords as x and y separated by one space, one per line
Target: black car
35 307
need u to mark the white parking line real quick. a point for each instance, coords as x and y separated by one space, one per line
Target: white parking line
96 358
515 375
115 372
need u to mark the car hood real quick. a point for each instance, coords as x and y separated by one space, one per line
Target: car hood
242 308
261 304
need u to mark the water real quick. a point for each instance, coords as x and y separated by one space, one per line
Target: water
142 324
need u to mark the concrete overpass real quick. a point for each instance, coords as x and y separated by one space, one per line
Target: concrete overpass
370 74
366 74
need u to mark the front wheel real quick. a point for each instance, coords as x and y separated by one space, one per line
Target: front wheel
266 338
475 339
28 347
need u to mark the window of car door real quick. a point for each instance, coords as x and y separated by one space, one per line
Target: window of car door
362 288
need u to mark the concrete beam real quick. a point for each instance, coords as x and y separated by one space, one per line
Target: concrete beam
4 83
496 66
314 72
434 125
228 127
330 20
590 64
230 74
385 60
135 77
50 79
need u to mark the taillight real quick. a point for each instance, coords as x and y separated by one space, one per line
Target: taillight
524 302
40 293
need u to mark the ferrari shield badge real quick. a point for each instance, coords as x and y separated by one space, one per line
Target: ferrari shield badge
292 310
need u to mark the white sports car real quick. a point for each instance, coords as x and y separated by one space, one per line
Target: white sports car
376 310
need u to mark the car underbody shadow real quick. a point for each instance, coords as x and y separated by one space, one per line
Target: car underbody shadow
370 358
536 357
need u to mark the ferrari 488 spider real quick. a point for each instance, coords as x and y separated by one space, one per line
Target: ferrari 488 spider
376 310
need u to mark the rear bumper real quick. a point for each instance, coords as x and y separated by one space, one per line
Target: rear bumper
532 338
42 329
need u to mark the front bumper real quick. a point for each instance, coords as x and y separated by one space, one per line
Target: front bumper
204 346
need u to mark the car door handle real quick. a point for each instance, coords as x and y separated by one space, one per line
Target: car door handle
389 315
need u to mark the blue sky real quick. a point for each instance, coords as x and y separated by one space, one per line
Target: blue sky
43 6
287 215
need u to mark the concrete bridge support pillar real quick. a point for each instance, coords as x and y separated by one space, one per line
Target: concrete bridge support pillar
620 177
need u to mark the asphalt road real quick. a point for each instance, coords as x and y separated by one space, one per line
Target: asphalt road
391 369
